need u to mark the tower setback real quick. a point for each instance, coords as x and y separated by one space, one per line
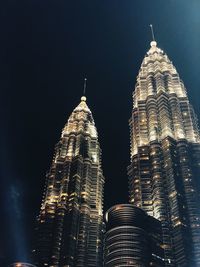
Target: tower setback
165 157
69 226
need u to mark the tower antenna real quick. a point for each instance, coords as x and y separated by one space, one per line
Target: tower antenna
152 32
84 87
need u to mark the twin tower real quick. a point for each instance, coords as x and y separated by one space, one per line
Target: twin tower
161 224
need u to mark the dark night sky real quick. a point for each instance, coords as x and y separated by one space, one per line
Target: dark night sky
46 49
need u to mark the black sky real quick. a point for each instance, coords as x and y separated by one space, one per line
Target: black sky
46 49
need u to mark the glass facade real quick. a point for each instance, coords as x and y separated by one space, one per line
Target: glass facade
132 238
69 226
165 157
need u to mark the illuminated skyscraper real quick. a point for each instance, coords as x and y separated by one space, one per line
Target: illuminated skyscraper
69 227
164 174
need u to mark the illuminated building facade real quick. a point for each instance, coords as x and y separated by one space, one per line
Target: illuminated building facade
69 227
132 238
165 157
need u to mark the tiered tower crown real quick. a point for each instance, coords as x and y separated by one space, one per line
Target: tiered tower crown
160 104
80 128
81 116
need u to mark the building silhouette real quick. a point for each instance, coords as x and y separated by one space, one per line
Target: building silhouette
132 238
165 157
69 226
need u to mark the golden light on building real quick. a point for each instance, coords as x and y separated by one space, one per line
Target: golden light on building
165 151
71 219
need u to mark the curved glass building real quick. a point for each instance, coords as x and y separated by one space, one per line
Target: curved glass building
132 238
165 157
69 226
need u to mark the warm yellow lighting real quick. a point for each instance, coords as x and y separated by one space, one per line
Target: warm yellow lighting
83 98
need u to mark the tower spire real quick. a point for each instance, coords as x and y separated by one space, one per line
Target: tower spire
152 32
84 87
83 98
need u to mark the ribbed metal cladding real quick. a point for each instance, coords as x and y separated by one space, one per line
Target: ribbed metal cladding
126 242
125 214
